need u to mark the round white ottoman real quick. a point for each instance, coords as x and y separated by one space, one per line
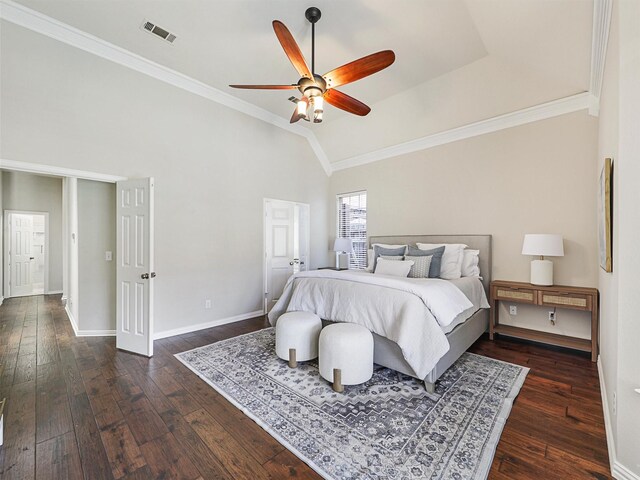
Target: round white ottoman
297 336
346 354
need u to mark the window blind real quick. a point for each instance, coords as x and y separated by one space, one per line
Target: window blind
352 223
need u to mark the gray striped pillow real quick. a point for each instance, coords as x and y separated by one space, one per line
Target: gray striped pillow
420 268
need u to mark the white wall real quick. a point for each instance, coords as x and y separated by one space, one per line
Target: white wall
608 282
536 178
628 444
212 166
96 276
620 329
23 191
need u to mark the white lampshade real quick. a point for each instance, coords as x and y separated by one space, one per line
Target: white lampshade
343 245
543 244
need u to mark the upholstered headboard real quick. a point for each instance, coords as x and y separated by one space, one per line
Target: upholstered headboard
476 242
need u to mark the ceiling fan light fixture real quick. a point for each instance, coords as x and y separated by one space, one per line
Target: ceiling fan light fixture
318 108
302 107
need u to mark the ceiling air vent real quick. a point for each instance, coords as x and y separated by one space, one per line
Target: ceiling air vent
159 31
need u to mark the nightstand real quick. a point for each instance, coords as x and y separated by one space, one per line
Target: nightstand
577 298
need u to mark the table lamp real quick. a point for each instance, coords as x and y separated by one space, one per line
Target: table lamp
542 244
343 247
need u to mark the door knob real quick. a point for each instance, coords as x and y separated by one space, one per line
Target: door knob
146 276
32 258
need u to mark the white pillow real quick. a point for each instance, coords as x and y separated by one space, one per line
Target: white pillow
470 261
451 266
398 268
369 260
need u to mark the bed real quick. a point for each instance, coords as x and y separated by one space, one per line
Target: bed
388 352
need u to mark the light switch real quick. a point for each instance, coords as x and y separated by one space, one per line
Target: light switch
108 256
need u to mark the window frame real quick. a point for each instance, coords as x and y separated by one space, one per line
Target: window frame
358 259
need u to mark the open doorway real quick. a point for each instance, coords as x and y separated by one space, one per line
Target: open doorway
26 266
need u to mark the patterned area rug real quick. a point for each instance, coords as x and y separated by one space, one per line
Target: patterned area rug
387 428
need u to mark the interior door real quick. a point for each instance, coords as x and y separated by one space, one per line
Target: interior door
134 270
279 243
286 235
20 255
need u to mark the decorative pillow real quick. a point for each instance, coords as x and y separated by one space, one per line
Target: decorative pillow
394 252
451 260
386 245
392 257
398 268
421 266
436 260
470 261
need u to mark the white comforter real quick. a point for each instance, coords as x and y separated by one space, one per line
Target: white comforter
410 312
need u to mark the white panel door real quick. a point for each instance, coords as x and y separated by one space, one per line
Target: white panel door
279 243
21 255
134 271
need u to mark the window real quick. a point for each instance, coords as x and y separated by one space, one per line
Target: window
352 223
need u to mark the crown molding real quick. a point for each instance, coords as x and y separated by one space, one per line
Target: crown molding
543 111
599 41
52 170
25 17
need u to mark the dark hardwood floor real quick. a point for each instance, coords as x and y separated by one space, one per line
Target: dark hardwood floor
79 408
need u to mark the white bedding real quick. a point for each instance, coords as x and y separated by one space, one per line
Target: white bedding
410 312
474 290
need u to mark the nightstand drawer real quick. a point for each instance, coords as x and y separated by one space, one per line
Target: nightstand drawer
564 300
523 295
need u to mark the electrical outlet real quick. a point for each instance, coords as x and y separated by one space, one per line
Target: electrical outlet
207 303
513 310
614 407
552 316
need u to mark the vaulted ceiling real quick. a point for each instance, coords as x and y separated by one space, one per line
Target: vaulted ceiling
457 61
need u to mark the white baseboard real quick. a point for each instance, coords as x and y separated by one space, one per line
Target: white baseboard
202 326
86 333
618 471
72 319
1 300
96 333
54 292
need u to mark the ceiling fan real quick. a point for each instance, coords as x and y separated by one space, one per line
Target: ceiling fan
316 88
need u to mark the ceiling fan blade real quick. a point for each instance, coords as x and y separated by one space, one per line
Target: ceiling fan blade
266 87
346 103
360 68
291 49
